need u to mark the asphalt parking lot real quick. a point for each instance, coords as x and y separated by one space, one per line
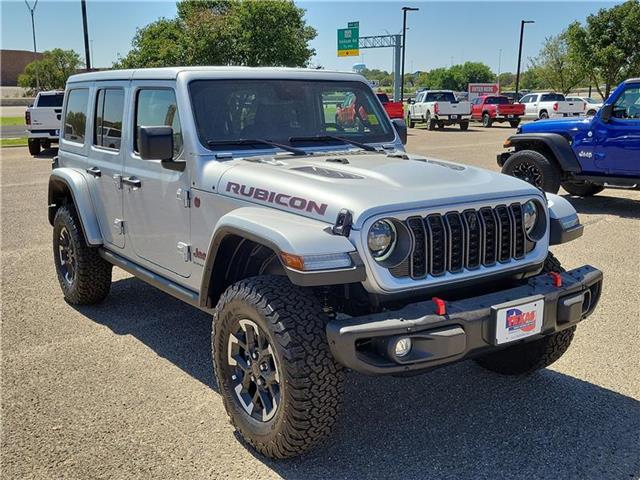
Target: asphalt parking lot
125 389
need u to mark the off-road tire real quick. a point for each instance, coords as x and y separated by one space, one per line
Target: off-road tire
543 115
464 126
92 279
34 146
487 121
526 358
582 189
514 123
312 382
547 172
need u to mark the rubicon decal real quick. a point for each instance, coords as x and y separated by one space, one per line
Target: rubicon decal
297 203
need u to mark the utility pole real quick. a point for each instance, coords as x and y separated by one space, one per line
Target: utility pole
32 11
522 24
499 65
404 46
87 57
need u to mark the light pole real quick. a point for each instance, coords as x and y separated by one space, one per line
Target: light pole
87 57
32 11
522 23
499 65
404 46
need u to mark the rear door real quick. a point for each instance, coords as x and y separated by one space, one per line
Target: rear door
106 158
618 141
155 198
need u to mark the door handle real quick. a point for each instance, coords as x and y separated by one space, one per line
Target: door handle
133 182
95 171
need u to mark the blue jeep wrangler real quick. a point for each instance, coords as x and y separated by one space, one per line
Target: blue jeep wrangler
584 155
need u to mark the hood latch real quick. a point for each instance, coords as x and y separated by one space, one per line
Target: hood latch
343 223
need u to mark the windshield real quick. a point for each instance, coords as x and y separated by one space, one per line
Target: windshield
51 100
440 97
228 111
591 100
383 97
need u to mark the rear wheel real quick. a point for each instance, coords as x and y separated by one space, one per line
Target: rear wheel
582 189
431 123
525 358
486 120
591 113
464 126
544 114
514 123
279 383
533 167
34 146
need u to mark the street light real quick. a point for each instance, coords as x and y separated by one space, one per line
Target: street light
83 6
522 23
32 11
404 40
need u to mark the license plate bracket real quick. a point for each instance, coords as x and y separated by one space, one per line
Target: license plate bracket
518 319
453 117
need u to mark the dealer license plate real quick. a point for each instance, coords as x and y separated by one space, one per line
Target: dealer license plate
514 322
453 117
509 116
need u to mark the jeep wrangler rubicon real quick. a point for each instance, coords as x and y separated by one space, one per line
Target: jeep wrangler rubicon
583 155
317 246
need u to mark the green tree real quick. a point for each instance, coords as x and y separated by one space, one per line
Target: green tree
557 69
507 80
235 32
475 72
608 46
531 79
53 70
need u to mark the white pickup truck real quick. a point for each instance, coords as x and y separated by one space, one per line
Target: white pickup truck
549 105
43 120
438 108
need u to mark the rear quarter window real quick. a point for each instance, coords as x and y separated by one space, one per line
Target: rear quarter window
75 115
50 100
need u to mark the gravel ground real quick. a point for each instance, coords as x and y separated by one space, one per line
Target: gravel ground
125 390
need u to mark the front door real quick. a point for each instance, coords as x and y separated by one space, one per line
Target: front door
105 160
156 202
618 141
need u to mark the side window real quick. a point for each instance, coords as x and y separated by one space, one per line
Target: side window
526 99
75 115
156 107
107 130
627 106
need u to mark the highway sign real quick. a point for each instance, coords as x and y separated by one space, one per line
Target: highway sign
348 39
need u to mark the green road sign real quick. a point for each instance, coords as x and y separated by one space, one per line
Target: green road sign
348 40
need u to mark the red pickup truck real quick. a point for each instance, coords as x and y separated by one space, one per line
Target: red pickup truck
393 109
496 108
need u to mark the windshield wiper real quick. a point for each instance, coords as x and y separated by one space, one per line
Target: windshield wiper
257 141
333 138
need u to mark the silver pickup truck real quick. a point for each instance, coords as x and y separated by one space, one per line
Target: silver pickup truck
318 245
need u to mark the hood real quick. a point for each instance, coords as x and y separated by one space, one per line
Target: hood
365 183
566 125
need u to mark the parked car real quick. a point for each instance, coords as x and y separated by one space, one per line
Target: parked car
549 105
315 247
591 105
583 155
496 108
438 108
43 120
393 109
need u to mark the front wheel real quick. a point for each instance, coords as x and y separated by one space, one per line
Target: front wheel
410 122
582 189
525 358
533 167
544 115
279 383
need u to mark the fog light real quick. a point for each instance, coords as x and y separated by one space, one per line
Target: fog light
402 347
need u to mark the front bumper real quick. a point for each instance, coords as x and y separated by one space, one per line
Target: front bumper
465 331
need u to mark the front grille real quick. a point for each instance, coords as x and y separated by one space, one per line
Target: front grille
458 241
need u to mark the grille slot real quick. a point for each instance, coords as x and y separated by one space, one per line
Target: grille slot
459 241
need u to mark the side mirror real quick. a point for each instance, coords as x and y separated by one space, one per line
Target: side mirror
605 112
156 143
401 128
411 101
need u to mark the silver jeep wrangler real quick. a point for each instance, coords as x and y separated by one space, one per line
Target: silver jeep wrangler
282 202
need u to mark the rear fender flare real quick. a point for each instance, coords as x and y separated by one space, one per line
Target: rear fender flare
556 143
67 181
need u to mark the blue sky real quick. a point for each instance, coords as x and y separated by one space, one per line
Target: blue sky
439 34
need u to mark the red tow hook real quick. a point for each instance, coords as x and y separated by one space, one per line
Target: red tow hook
441 308
557 279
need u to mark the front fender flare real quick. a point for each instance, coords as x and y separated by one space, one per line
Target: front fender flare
555 142
63 180
564 225
284 232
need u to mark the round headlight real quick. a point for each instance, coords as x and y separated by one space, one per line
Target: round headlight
381 239
530 212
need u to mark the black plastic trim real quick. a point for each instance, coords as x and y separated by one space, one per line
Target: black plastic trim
558 145
559 234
